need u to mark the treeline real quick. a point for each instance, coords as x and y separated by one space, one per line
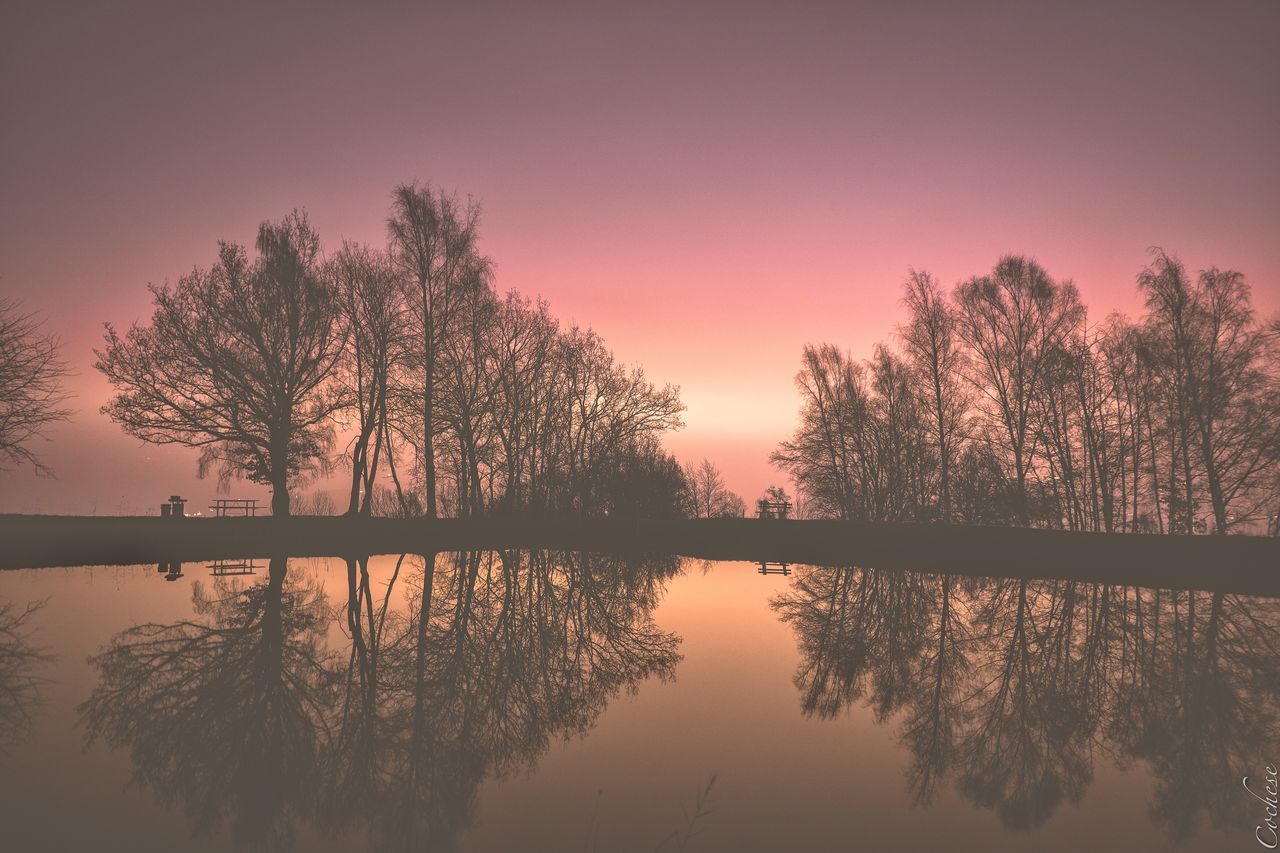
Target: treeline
1003 405
461 400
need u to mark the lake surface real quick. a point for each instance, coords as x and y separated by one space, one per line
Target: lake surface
578 702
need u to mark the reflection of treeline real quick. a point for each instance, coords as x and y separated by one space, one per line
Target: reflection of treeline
1010 688
469 400
19 683
1005 407
246 716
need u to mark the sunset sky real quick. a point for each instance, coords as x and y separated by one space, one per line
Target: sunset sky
709 188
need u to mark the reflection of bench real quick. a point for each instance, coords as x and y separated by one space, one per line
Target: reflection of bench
223 507
768 568
233 567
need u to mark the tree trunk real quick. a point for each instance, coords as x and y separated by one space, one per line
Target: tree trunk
279 496
1216 498
357 473
1024 514
428 432
279 476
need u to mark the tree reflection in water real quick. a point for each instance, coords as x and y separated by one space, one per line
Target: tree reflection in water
1011 687
244 715
225 714
19 684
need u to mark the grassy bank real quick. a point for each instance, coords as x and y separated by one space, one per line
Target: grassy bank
1236 563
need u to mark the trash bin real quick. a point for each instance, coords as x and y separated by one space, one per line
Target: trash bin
165 509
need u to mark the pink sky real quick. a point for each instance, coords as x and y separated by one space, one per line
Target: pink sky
708 189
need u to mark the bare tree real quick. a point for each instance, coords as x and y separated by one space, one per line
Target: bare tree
433 240
373 314
237 361
861 450
708 495
822 457
465 395
1013 320
31 391
1214 351
900 458
934 351
601 415
520 350
1121 426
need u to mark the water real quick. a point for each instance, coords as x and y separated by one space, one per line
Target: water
580 702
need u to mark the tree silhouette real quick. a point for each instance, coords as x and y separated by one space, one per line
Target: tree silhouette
433 241
1213 350
471 403
708 495
1013 322
933 348
237 361
1009 409
31 392
374 317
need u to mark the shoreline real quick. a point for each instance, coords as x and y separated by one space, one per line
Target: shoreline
1238 564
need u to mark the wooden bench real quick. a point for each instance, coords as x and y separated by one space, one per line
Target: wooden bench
225 507
772 509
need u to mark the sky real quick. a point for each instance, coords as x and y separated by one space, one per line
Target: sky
708 186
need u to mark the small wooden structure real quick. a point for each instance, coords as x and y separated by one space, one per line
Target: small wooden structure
769 568
175 507
772 509
222 568
224 507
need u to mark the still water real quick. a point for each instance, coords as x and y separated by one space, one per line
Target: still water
576 702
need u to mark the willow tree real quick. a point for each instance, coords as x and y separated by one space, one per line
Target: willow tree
237 361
